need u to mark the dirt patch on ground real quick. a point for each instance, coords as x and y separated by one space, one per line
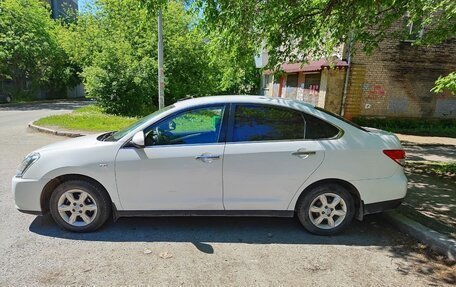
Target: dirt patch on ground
421 140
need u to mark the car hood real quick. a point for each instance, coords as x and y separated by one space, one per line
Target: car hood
74 143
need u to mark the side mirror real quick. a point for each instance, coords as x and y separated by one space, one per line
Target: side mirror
138 140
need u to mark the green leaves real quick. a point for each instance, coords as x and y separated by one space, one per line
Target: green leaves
446 83
116 47
294 30
29 47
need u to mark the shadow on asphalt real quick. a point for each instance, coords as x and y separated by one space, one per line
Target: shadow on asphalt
220 230
36 106
423 153
203 231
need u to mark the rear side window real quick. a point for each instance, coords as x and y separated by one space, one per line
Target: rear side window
266 123
342 119
319 129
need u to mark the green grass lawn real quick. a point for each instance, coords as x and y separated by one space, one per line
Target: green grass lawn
89 118
92 118
420 127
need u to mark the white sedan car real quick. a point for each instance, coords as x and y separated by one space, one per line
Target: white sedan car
218 156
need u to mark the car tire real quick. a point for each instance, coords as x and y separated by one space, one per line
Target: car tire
79 206
9 99
326 209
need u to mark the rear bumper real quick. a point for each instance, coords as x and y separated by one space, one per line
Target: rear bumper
382 206
378 191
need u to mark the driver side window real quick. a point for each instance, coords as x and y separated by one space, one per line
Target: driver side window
199 126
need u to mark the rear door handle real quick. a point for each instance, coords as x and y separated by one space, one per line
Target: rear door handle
207 157
304 153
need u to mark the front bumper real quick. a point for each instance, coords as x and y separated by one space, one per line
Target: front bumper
27 194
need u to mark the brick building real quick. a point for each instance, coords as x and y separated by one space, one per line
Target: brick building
316 82
394 81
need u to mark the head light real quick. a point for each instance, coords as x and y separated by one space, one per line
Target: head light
26 163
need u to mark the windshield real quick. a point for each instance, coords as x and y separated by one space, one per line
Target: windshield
120 134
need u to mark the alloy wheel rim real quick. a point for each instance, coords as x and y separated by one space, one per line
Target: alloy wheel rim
327 211
77 207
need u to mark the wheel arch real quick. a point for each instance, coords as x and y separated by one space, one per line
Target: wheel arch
345 184
53 183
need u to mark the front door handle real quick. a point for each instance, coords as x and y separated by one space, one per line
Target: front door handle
207 157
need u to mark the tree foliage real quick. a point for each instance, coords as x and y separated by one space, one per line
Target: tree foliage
291 30
116 46
29 47
110 44
446 83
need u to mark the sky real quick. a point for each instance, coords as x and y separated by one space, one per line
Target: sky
83 3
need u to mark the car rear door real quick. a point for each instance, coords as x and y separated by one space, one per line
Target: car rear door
180 167
266 157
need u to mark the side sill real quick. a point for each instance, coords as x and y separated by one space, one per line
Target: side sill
33 212
162 213
382 206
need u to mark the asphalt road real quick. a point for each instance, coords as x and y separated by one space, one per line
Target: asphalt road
190 251
444 153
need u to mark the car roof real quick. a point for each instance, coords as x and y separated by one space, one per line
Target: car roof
295 104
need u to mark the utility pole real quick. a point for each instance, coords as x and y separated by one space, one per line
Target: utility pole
161 73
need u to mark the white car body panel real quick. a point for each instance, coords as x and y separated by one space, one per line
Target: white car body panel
170 178
248 176
82 156
262 175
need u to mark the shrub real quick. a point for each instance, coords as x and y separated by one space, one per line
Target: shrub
425 127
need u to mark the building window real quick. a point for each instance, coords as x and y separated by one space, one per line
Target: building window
266 81
292 80
413 30
312 83
310 88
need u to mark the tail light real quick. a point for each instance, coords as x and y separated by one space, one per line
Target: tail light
398 155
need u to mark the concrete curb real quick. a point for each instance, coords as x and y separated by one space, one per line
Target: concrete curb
32 126
71 100
438 242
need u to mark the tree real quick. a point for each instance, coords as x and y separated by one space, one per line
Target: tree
29 48
236 69
116 47
290 30
112 46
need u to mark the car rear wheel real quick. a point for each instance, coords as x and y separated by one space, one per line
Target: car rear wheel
326 209
8 99
79 206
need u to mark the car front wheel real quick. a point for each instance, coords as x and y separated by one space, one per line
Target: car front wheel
79 206
326 209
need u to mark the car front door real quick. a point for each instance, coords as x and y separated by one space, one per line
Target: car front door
267 158
180 167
